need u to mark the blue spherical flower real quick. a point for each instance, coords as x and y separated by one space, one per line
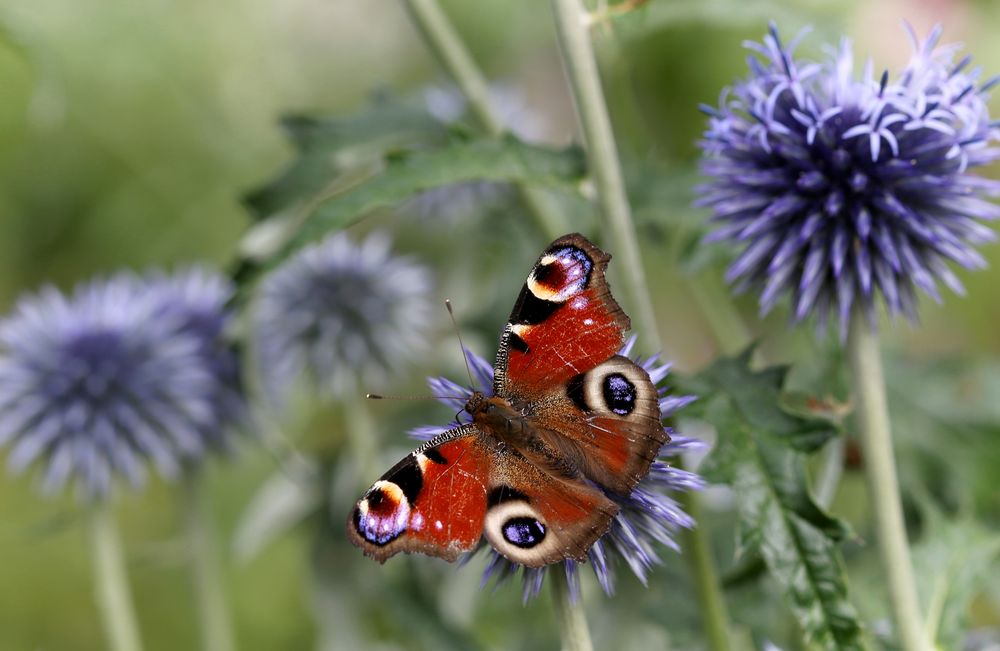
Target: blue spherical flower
195 298
342 314
121 372
649 516
842 188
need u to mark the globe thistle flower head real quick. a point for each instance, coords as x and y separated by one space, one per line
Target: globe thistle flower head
649 516
847 190
195 299
341 313
96 384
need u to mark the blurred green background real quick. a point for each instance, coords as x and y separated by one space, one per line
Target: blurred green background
129 130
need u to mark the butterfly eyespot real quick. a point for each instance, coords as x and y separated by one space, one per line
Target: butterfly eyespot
516 529
383 514
619 394
523 532
560 274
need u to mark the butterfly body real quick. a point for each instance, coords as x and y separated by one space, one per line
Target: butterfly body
570 424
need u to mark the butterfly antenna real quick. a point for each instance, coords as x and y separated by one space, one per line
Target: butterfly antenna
379 396
458 333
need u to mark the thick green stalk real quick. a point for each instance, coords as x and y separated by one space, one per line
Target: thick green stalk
711 605
605 168
883 487
572 620
215 623
444 41
602 155
114 598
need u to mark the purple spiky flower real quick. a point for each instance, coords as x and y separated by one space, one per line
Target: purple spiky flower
840 188
648 517
124 371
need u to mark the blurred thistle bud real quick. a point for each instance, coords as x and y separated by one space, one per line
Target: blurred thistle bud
126 370
342 315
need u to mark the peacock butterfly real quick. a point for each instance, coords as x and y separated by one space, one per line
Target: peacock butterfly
569 422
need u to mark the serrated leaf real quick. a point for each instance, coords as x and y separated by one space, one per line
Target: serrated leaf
329 147
412 172
761 398
807 405
759 453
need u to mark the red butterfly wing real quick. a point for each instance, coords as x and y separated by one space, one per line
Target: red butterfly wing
564 323
433 501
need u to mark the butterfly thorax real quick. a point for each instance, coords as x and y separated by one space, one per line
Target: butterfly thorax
510 425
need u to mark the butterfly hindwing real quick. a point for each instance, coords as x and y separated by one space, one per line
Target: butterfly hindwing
535 518
609 419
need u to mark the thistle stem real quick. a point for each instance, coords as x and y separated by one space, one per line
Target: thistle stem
572 620
454 57
602 155
711 605
605 168
114 598
215 623
883 488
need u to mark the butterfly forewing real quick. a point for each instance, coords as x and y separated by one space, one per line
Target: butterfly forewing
433 501
564 322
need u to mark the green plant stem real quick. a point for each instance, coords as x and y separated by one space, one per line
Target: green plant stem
114 598
572 620
883 487
711 605
214 619
444 41
602 154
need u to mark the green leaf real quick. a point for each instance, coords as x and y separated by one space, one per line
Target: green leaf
408 173
949 410
954 561
760 397
759 452
330 147
283 501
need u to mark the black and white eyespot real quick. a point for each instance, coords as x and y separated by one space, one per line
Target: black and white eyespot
561 274
618 386
518 531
